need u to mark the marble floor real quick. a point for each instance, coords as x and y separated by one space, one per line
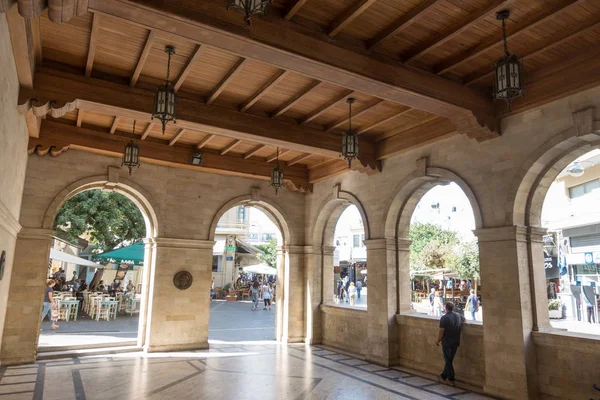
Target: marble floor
226 371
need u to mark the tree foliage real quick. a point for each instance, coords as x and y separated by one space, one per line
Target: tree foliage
426 234
109 219
270 253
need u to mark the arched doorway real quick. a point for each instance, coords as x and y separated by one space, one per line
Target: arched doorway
251 249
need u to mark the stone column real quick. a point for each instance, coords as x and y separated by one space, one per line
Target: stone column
178 319
328 284
382 301
314 292
281 298
541 319
26 296
404 288
510 364
294 260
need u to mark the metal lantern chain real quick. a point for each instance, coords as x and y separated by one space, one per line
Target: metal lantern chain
249 8
131 156
507 72
350 143
165 99
277 176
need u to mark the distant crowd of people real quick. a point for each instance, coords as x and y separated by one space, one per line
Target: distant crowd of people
348 291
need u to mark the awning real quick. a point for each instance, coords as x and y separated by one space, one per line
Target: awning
219 247
130 255
260 269
70 258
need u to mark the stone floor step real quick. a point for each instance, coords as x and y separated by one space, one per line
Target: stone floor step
52 349
53 355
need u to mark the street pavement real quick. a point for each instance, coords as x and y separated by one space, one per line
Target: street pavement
236 322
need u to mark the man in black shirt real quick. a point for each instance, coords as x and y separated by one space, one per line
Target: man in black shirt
449 337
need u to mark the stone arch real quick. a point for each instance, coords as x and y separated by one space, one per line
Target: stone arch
413 188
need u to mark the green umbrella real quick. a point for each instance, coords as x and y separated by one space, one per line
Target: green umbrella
130 255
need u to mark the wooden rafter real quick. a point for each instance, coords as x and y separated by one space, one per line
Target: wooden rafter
402 23
205 141
294 100
431 131
232 145
349 15
294 9
383 121
273 156
80 117
113 127
357 114
546 14
298 159
176 136
564 36
232 73
142 60
255 150
319 111
92 46
188 67
263 90
474 18
146 130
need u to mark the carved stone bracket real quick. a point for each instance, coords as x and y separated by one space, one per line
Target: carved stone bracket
475 127
58 10
42 150
42 107
295 187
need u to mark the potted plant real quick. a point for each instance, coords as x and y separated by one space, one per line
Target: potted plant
226 290
555 309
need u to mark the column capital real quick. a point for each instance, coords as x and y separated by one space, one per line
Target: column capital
536 233
387 243
328 250
502 233
295 249
181 243
35 233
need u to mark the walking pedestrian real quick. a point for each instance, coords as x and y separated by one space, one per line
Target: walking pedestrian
254 293
473 304
340 290
449 337
212 288
358 288
590 310
432 301
352 293
438 303
267 294
49 303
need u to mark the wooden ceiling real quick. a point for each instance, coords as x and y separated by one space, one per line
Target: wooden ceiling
420 71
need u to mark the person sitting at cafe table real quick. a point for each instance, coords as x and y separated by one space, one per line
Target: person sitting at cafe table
101 286
114 287
130 286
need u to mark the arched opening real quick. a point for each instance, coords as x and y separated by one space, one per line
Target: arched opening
571 245
248 273
350 272
444 256
100 266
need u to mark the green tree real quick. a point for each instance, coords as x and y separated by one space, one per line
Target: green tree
109 219
467 260
438 240
269 255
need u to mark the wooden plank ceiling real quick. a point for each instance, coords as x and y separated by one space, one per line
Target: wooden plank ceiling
453 39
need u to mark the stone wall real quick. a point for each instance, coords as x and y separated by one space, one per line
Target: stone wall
13 158
345 329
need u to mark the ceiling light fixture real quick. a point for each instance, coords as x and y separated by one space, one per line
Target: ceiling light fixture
507 72
131 156
165 98
249 8
350 145
277 176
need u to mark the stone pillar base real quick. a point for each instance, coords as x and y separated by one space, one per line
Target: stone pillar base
177 347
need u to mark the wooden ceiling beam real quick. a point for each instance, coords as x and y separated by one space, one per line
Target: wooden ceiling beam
66 92
113 127
205 141
474 18
383 121
402 23
157 151
230 146
356 114
80 117
564 36
294 100
143 57
349 15
92 46
255 150
176 136
300 158
147 130
273 156
319 111
313 55
294 9
188 67
232 73
263 90
525 25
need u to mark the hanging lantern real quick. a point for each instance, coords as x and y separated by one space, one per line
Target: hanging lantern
350 138
131 157
507 72
277 175
249 8
165 98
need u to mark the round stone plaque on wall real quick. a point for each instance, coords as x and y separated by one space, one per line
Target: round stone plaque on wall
182 280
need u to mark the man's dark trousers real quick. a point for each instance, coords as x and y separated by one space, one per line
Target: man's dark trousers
449 351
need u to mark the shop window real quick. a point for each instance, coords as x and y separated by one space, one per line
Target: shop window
356 241
217 263
584 188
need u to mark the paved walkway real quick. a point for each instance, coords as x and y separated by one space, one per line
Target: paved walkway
226 371
236 322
